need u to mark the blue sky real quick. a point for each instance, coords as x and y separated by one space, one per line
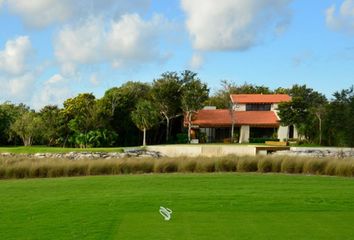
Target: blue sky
51 50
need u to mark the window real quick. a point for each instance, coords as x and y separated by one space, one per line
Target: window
258 107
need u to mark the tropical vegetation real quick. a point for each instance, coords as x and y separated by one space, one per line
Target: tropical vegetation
138 113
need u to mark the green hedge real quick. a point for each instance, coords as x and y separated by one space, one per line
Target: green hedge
262 140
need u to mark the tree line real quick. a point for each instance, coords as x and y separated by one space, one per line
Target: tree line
124 115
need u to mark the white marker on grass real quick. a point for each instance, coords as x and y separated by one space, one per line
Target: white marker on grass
166 213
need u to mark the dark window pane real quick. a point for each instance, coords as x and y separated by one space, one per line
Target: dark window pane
258 107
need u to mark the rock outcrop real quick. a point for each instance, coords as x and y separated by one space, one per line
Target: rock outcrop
89 155
318 152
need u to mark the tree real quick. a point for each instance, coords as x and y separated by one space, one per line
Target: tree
301 111
50 116
221 99
166 93
8 114
145 116
83 114
27 127
339 118
194 94
120 102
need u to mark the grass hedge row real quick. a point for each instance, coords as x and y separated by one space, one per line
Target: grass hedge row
43 168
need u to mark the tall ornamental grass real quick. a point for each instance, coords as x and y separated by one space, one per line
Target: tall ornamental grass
21 167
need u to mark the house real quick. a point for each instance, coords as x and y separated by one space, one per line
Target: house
252 116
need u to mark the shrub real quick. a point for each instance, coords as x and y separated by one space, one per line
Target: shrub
265 165
58 170
262 140
18 171
2 172
315 166
226 164
288 166
276 164
102 168
330 168
345 168
182 138
21 167
205 165
247 164
187 165
166 166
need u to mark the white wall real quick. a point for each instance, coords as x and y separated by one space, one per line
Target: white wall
239 107
296 135
283 133
244 134
203 150
274 107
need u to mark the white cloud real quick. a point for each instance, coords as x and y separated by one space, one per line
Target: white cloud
129 39
17 88
54 91
41 13
344 19
13 57
196 61
133 39
233 24
16 80
80 44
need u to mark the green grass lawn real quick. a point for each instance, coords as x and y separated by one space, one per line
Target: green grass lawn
205 206
45 149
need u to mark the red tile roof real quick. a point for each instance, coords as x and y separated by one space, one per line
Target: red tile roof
259 98
256 118
222 118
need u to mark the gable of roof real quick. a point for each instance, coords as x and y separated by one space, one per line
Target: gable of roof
259 98
222 118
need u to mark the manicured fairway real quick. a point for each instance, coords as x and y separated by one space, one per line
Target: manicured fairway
205 206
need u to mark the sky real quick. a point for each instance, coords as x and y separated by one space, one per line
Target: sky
51 50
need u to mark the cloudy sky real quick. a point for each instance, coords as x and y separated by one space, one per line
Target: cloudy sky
54 49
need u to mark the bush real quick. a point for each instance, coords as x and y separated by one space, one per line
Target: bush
315 166
182 138
187 165
276 164
345 168
265 165
290 165
205 165
262 140
21 167
247 164
226 164
166 166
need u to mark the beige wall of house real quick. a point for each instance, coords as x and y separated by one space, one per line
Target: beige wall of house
239 107
274 107
283 133
296 135
244 134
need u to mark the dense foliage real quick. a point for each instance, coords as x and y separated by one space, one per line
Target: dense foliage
112 120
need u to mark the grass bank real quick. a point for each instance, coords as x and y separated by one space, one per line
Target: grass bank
22 167
205 206
45 149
